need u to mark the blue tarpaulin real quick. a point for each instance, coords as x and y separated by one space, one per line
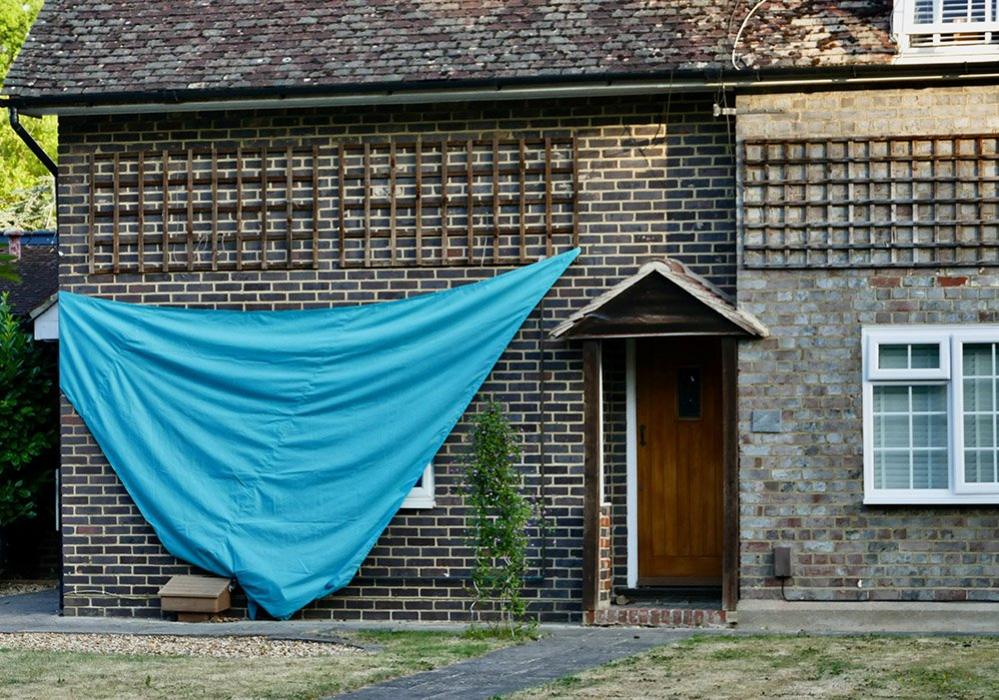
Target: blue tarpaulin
275 446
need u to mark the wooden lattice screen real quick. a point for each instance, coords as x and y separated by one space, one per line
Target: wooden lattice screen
241 209
389 204
468 202
879 202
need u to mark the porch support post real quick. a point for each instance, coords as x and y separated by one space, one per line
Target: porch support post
730 472
592 474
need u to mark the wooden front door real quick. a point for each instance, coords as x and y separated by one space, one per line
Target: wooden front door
680 440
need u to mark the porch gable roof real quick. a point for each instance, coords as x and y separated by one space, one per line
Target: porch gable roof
663 298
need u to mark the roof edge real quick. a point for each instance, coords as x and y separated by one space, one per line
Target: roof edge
688 281
525 87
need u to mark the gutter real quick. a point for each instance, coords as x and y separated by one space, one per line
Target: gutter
517 88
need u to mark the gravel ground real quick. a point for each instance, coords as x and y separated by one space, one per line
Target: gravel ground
19 587
163 645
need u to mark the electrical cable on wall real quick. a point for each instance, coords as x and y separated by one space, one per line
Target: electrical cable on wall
742 28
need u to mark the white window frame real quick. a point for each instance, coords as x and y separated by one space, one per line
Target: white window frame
950 373
904 26
907 337
422 496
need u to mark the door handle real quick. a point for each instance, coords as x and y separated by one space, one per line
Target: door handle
641 435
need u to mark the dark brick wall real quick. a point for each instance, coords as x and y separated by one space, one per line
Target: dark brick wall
652 183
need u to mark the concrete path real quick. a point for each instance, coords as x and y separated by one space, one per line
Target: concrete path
38 612
564 651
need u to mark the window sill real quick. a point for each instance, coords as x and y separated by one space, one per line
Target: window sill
953 499
947 55
418 503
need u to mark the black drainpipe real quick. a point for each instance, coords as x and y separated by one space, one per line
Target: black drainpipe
29 141
15 124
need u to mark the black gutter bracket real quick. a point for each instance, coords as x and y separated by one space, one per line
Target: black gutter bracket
29 141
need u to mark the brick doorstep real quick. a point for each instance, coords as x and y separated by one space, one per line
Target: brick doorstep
655 617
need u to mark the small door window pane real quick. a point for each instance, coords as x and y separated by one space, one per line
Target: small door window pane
688 392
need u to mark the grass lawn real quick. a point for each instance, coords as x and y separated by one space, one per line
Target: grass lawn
50 674
795 667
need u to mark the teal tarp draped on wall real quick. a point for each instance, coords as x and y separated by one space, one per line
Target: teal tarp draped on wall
275 446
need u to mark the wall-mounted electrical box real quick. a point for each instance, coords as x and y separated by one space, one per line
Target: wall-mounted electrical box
782 561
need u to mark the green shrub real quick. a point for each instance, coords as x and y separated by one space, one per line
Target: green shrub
500 515
27 416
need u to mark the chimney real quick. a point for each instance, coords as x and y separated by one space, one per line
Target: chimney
14 239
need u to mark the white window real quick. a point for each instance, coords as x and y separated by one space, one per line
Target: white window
946 30
930 414
422 495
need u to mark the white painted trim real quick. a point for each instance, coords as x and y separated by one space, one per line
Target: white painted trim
46 323
631 461
904 27
601 487
952 338
942 55
422 496
906 335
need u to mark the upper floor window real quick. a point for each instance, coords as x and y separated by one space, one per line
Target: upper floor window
946 30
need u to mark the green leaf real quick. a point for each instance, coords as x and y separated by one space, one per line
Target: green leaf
28 415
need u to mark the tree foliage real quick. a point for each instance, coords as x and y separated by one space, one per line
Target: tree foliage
500 515
27 404
27 189
21 173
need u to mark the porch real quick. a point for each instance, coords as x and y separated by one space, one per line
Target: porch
661 509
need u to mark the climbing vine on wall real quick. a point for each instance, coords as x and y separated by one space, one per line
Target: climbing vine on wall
500 516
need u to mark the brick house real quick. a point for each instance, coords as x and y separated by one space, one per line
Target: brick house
777 334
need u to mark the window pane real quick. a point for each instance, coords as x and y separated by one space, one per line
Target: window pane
978 394
977 360
891 399
962 10
917 356
688 392
929 469
924 11
980 466
896 470
910 436
893 357
929 399
929 430
924 356
978 431
980 457
892 431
